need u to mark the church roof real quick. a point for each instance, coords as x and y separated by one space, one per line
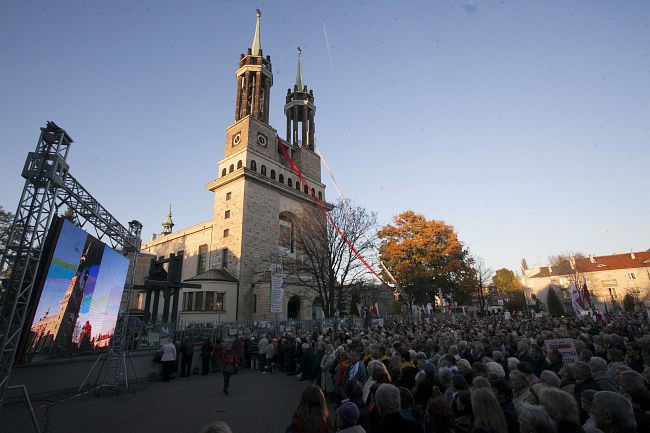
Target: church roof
214 275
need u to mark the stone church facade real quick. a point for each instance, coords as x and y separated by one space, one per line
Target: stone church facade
256 194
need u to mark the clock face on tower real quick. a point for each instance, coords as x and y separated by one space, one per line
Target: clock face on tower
261 140
236 139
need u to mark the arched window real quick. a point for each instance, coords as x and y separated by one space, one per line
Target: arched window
286 231
305 189
281 178
223 172
313 193
263 170
239 164
320 195
253 165
231 169
298 186
289 181
273 174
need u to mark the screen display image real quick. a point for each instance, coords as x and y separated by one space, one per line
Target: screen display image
81 294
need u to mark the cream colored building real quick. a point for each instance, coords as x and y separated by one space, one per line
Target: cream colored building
608 278
256 194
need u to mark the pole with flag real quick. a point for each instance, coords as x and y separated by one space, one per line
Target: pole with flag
587 297
576 301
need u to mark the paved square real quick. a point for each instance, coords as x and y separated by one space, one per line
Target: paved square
257 402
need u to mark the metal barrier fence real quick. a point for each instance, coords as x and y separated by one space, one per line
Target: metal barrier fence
152 335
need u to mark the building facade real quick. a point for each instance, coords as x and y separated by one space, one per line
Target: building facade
256 196
608 279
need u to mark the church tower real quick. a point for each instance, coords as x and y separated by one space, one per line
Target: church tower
254 81
257 192
257 196
300 110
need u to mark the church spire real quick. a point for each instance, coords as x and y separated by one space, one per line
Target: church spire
254 81
256 46
299 83
300 110
168 223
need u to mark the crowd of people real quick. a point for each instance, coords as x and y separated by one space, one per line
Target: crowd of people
481 375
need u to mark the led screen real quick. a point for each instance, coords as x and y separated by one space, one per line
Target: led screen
80 298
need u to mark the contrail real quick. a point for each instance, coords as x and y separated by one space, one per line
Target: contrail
329 53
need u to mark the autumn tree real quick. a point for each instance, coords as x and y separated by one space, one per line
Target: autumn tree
426 256
324 262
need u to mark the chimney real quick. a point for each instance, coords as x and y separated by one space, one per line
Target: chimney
592 259
550 270
632 256
572 262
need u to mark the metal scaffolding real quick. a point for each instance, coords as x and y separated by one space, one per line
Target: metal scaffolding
48 186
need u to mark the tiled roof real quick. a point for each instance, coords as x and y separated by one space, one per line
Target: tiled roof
214 275
600 263
615 261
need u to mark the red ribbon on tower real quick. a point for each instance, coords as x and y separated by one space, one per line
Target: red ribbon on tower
295 168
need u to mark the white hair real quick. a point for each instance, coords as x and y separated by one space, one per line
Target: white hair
512 363
387 399
495 369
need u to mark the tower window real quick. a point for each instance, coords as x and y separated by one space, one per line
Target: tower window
224 258
203 259
228 195
226 214
231 169
253 165
281 178
226 233
305 189
289 181
273 174
223 172
239 164
263 170
313 192
297 185
286 231
320 195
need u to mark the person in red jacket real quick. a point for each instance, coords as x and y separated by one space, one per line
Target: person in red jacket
229 363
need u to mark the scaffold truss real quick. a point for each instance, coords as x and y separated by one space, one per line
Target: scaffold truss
48 186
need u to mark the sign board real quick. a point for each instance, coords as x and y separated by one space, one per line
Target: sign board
565 346
276 289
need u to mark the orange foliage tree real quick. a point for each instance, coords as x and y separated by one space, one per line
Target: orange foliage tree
424 256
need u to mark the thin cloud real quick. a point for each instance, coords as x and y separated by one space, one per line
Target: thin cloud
470 8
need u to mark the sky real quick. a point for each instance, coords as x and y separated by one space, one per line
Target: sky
525 125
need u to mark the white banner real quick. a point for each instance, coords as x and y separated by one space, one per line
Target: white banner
565 346
277 293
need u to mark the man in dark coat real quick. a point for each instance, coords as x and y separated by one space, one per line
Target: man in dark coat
206 354
504 395
387 400
187 349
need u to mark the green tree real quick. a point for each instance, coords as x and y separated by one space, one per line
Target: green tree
628 303
6 220
555 307
505 281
